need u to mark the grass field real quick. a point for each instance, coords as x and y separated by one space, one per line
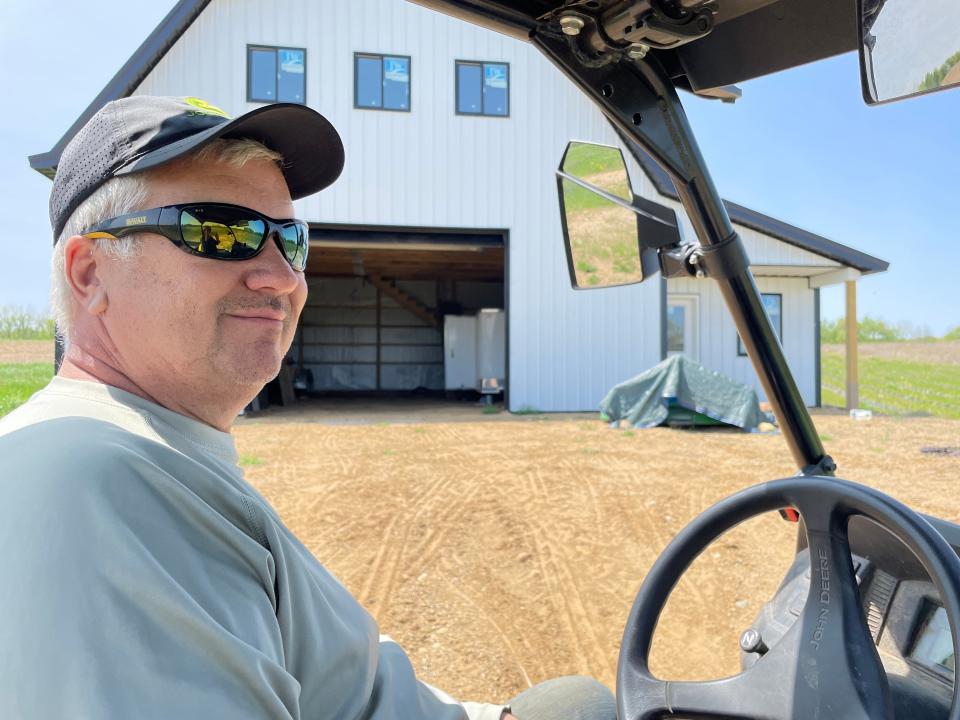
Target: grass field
19 381
897 383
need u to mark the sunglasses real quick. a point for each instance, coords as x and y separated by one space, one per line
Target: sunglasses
213 230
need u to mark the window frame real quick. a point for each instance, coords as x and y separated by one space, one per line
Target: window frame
690 302
380 56
456 94
741 349
275 48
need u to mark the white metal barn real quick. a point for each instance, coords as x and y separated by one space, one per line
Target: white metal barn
447 204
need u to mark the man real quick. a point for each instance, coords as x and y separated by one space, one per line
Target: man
143 577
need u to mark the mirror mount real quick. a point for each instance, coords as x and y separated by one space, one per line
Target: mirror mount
724 260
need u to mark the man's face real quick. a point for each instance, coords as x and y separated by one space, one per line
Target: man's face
196 327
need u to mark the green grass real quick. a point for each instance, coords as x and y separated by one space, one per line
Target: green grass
528 410
896 387
934 78
250 461
583 159
19 382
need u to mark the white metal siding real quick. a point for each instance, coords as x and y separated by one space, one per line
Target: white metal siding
430 167
718 336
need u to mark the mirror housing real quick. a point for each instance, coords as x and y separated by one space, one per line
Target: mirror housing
611 236
907 48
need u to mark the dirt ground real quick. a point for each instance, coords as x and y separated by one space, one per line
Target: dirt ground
26 351
503 553
942 351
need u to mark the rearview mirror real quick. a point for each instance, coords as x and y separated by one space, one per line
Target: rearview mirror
610 235
908 47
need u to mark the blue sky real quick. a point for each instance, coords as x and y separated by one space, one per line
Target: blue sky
800 146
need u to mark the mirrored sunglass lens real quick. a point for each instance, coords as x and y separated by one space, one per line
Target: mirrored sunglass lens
295 243
249 236
218 234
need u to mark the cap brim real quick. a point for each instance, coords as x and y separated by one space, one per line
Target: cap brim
311 147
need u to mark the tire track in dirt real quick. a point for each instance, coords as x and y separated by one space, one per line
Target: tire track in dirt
504 637
689 585
387 557
379 583
566 591
425 551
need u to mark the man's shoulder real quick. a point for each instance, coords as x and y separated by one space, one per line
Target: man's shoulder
70 399
68 448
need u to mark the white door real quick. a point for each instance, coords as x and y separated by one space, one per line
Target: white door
460 352
683 325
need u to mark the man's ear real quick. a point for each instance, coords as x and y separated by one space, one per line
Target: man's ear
83 274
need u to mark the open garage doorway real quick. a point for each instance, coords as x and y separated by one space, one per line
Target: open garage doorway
388 311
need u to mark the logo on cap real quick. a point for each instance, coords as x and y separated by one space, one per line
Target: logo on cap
204 108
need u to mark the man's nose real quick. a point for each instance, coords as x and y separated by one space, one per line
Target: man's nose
270 270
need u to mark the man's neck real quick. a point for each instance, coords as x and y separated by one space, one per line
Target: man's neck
80 365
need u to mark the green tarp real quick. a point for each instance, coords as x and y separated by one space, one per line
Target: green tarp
678 381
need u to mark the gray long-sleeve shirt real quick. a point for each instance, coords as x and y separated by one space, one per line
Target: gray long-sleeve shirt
144 578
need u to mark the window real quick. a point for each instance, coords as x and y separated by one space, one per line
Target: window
381 82
483 88
773 304
276 74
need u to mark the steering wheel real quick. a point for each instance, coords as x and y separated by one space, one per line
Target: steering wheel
826 665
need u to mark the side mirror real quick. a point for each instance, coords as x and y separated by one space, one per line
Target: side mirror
908 47
611 235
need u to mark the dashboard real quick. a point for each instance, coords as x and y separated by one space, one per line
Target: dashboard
901 608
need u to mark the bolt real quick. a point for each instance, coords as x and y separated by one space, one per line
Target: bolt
571 24
638 51
703 24
701 274
694 259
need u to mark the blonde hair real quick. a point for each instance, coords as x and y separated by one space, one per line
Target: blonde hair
123 194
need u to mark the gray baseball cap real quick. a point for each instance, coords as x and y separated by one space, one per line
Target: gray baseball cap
140 132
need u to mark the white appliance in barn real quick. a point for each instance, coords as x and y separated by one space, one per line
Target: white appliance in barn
475 351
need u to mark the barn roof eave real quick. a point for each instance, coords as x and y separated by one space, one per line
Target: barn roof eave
129 77
790 234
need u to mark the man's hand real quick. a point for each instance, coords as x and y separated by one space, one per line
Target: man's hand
507 716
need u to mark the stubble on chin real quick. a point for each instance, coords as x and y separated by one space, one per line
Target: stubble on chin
252 365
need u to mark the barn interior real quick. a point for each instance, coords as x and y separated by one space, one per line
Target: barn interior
398 313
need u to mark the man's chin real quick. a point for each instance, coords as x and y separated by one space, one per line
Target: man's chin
256 369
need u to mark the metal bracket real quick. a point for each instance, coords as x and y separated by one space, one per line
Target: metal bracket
825 466
635 26
725 259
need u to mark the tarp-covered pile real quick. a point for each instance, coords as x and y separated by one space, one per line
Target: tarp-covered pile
679 382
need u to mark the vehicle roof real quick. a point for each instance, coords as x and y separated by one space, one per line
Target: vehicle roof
750 38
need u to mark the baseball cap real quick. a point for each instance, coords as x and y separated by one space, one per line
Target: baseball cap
143 131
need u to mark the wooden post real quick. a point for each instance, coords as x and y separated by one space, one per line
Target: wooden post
853 379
